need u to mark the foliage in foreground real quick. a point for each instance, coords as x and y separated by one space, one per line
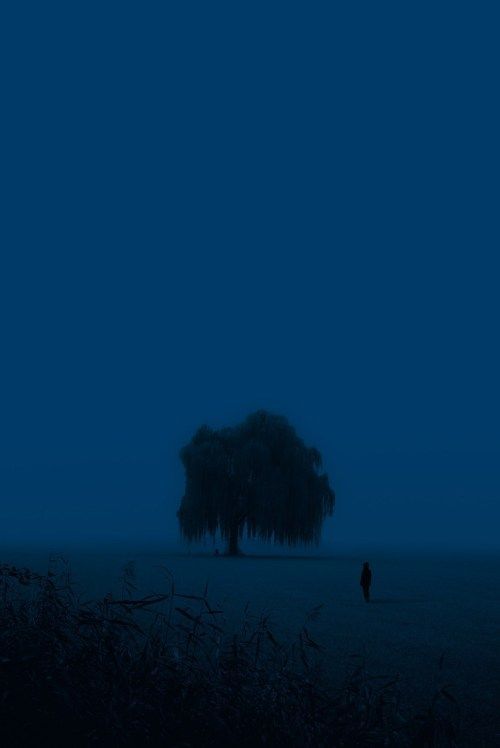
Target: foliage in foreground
160 670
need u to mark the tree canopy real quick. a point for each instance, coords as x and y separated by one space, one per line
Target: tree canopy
257 477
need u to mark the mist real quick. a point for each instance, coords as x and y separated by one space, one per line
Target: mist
311 244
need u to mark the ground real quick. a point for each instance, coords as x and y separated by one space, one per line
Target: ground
433 620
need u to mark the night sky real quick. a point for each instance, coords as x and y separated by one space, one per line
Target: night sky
213 208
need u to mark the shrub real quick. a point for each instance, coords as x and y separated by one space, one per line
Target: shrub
161 670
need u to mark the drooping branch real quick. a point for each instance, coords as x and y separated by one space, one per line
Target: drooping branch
258 477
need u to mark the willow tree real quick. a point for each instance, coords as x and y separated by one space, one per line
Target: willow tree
257 478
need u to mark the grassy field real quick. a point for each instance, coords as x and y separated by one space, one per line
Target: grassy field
433 621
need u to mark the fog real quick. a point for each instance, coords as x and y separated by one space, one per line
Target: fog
194 231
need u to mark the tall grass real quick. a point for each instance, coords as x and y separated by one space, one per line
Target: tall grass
162 670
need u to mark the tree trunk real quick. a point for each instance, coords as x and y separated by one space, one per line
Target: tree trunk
232 546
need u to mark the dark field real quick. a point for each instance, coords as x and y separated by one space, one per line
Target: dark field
433 621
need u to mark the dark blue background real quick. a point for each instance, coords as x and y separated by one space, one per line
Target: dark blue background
211 208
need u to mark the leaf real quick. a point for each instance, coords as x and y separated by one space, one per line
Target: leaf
310 642
272 639
187 614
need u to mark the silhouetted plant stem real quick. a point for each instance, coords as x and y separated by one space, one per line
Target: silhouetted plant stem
233 546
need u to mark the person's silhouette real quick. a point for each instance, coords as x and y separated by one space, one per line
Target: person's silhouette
366 580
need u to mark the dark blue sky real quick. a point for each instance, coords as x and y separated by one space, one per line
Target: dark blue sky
212 209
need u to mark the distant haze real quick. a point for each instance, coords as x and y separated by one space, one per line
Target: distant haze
209 214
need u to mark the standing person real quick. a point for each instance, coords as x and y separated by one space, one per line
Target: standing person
366 580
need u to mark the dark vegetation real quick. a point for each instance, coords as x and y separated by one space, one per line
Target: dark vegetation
160 670
257 477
